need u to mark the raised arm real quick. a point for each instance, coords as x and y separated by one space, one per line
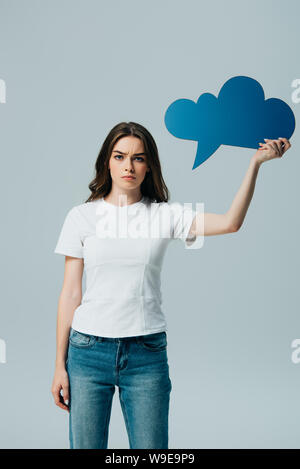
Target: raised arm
208 224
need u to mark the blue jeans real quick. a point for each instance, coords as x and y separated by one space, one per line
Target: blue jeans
138 365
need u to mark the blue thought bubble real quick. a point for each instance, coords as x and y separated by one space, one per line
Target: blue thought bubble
240 116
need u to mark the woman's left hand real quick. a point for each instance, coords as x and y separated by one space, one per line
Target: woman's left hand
271 149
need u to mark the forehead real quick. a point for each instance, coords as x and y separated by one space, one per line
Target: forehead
129 144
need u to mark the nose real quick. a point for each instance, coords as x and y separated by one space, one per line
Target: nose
129 165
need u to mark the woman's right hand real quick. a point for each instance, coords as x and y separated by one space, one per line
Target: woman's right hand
61 382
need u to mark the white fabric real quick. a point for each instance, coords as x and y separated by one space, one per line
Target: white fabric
123 286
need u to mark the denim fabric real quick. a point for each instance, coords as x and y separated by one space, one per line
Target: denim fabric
138 365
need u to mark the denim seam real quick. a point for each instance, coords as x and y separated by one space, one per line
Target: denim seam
154 349
160 347
126 420
88 345
106 426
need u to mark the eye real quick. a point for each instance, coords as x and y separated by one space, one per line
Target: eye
121 156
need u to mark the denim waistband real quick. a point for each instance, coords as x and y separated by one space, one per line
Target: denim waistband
128 339
123 339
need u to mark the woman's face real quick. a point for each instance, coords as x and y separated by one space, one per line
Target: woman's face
128 158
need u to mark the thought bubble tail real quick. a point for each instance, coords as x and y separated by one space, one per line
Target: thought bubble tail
204 151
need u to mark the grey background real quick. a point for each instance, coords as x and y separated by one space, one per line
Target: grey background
74 69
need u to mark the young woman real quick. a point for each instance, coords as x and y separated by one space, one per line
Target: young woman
115 335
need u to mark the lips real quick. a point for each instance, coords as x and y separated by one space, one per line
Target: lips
128 177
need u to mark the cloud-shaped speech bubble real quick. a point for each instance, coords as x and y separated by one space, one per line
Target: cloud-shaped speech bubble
239 116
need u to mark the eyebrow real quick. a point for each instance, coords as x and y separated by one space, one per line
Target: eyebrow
136 154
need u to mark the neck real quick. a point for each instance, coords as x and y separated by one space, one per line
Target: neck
122 198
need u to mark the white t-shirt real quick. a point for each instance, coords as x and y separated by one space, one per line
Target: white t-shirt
123 249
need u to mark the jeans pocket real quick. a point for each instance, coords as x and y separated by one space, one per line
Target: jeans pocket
79 339
154 342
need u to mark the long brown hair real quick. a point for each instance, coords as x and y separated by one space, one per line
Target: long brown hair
153 185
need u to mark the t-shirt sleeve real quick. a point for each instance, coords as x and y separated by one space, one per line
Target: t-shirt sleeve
70 241
182 217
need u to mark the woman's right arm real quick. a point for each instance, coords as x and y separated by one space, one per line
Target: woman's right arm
70 297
